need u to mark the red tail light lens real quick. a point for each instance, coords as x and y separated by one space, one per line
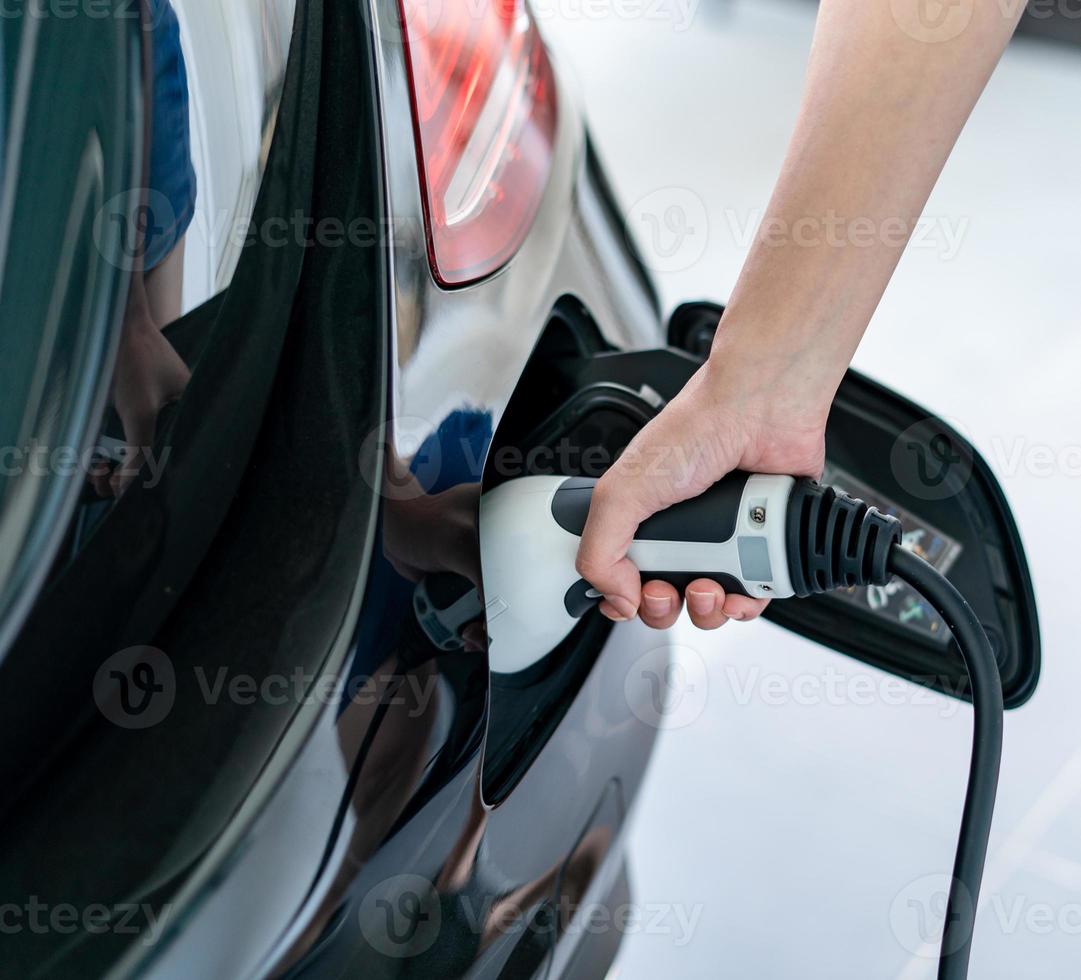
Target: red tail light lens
484 111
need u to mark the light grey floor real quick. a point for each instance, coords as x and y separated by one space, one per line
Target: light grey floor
795 825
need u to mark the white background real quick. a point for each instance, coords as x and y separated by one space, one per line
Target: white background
783 819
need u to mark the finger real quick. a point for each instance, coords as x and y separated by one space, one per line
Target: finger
661 604
616 604
127 471
409 572
466 563
705 603
140 425
475 637
602 555
744 608
456 545
100 475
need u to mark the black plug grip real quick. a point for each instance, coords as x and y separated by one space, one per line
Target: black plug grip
709 517
836 541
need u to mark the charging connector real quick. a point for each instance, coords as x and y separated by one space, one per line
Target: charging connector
758 535
836 541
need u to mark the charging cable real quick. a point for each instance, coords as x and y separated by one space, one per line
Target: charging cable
836 541
758 535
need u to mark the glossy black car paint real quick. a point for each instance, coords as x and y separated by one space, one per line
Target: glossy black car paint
246 832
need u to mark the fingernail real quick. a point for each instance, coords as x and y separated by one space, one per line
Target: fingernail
657 605
609 612
701 603
617 608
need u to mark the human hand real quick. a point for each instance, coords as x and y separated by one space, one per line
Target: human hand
425 533
739 411
149 375
880 113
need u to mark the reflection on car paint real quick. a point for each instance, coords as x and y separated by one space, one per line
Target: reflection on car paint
236 54
214 87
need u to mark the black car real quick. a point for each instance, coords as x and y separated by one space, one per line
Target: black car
250 722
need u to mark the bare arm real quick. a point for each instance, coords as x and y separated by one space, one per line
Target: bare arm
890 84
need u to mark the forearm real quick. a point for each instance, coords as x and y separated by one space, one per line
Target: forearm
881 112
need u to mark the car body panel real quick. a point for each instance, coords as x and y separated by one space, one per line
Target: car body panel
450 348
265 834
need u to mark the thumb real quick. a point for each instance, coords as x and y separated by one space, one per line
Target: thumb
602 555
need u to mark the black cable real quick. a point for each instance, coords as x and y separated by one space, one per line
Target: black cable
986 691
836 542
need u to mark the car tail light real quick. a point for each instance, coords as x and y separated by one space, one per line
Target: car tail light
484 112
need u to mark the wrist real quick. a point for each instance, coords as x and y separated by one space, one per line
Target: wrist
769 376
